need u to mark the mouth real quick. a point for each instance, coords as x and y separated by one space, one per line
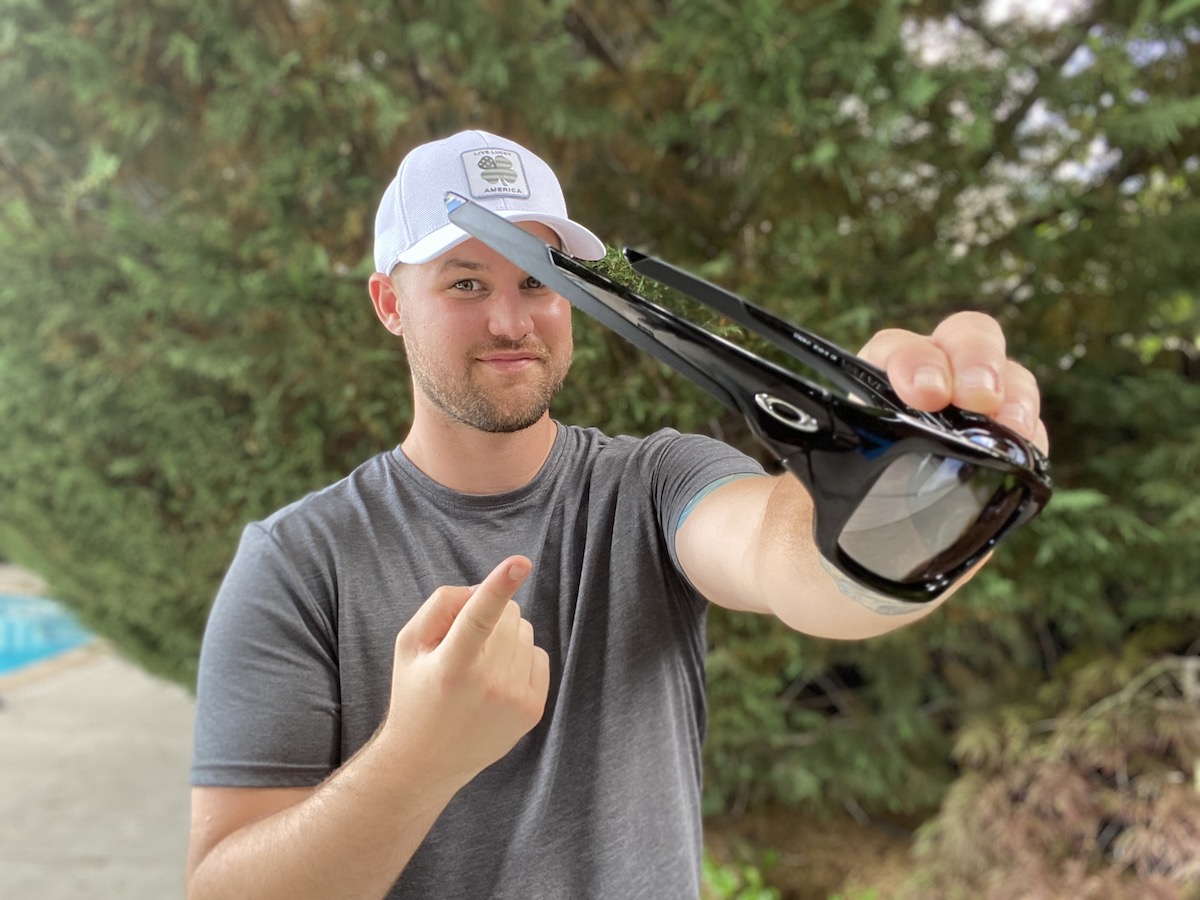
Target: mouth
509 362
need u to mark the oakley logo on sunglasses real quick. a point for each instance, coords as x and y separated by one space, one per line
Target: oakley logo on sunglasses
787 413
905 502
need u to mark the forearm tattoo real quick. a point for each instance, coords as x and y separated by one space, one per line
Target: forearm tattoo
872 600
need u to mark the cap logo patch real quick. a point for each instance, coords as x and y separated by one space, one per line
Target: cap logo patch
492 173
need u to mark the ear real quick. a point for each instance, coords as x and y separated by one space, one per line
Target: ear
385 301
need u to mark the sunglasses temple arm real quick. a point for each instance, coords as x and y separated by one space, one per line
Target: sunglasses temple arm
623 324
532 255
848 371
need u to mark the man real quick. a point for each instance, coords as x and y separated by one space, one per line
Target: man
474 667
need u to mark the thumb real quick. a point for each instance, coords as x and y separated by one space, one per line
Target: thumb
485 606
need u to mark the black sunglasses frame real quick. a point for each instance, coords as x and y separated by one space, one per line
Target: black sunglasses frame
837 447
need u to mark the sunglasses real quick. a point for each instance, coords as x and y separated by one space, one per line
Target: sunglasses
905 501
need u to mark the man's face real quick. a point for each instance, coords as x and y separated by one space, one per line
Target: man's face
488 345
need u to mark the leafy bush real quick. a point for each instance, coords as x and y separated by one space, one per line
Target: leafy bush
736 881
186 194
1090 789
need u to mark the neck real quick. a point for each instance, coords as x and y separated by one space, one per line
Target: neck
470 461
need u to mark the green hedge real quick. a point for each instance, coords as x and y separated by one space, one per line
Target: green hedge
186 343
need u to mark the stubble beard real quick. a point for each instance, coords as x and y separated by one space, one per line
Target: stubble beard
461 394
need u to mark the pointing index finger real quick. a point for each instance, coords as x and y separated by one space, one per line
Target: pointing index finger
483 610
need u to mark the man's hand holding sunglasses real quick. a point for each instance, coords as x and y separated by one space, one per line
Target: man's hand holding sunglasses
963 364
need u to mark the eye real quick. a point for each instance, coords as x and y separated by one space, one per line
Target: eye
532 284
470 285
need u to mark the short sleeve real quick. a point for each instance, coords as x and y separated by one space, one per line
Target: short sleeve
682 467
268 704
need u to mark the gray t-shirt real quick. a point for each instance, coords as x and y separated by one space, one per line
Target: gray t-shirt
602 797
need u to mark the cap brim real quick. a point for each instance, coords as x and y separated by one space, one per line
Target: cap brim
577 241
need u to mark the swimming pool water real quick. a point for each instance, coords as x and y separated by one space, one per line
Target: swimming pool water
33 629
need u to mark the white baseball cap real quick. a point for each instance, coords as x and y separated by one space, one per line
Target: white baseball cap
411 224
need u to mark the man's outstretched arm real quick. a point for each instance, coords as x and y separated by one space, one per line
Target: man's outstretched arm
749 544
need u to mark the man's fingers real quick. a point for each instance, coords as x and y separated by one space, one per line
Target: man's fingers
917 368
432 621
975 346
962 363
485 607
1022 402
539 676
522 646
525 633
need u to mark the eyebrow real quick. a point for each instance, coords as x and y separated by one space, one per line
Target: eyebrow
455 263
472 265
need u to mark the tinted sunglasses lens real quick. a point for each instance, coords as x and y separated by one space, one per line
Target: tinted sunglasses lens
926 515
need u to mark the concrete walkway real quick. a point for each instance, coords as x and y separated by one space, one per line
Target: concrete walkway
94 757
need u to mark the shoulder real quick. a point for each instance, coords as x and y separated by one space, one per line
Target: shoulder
337 510
665 442
668 465
297 550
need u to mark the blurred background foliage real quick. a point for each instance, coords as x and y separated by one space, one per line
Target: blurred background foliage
186 343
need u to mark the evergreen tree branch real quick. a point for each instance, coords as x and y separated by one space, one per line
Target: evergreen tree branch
579 20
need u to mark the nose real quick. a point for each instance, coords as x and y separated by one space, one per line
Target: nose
510 314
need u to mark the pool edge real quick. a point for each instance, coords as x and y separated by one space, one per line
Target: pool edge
67 659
